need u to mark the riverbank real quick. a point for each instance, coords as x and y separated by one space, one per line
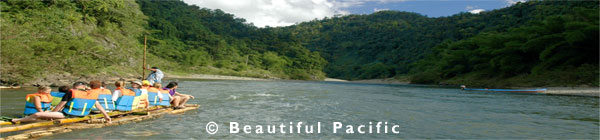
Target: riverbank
583 90
67 80
212 77
61 80
574 91
382 81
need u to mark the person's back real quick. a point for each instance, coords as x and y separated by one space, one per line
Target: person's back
57 96
82 102
126 99
154 95
141 94
76 102
104 98
156 75
167 99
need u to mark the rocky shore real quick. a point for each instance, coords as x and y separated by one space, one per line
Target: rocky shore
67 79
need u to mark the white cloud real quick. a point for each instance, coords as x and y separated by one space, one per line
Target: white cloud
476 11
278 12
377 9
282 12
511 2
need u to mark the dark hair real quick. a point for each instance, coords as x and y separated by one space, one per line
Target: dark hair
95 84
63 89
78 84
154 67
172 84
103 84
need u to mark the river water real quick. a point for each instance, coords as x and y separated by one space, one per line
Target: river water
416 111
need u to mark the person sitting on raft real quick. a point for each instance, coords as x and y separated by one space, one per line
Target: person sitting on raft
184 97
146 86
120 85
77 102
136 86
104 97
38 102
174 100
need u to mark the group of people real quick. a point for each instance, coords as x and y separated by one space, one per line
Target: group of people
81 99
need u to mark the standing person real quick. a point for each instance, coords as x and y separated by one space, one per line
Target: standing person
155 76
172 86
38 102
77 102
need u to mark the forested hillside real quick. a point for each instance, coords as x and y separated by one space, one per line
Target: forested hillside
69 39
211 41
536 43
59 40
386 43
561 50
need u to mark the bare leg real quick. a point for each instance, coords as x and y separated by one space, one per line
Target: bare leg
40 115
176 100
184 100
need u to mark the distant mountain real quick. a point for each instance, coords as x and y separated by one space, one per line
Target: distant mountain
385 44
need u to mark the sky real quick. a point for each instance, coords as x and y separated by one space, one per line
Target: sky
275 13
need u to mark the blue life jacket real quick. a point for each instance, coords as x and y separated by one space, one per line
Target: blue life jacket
105 99
127 101
81 103
30 106
56 97
153 96
166 100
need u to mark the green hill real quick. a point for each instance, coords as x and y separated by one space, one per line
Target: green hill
69 38
387 43
211 41
50 40
536 43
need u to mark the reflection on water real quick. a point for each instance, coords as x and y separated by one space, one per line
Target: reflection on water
420 111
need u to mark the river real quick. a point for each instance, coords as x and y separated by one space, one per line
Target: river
417 111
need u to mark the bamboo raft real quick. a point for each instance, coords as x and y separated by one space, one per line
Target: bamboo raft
52 127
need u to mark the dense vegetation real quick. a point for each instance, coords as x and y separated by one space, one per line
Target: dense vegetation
387 43
211 41
86 38
558 51
536 43
41 38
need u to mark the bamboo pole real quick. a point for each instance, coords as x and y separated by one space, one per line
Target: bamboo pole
5 123
144 61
